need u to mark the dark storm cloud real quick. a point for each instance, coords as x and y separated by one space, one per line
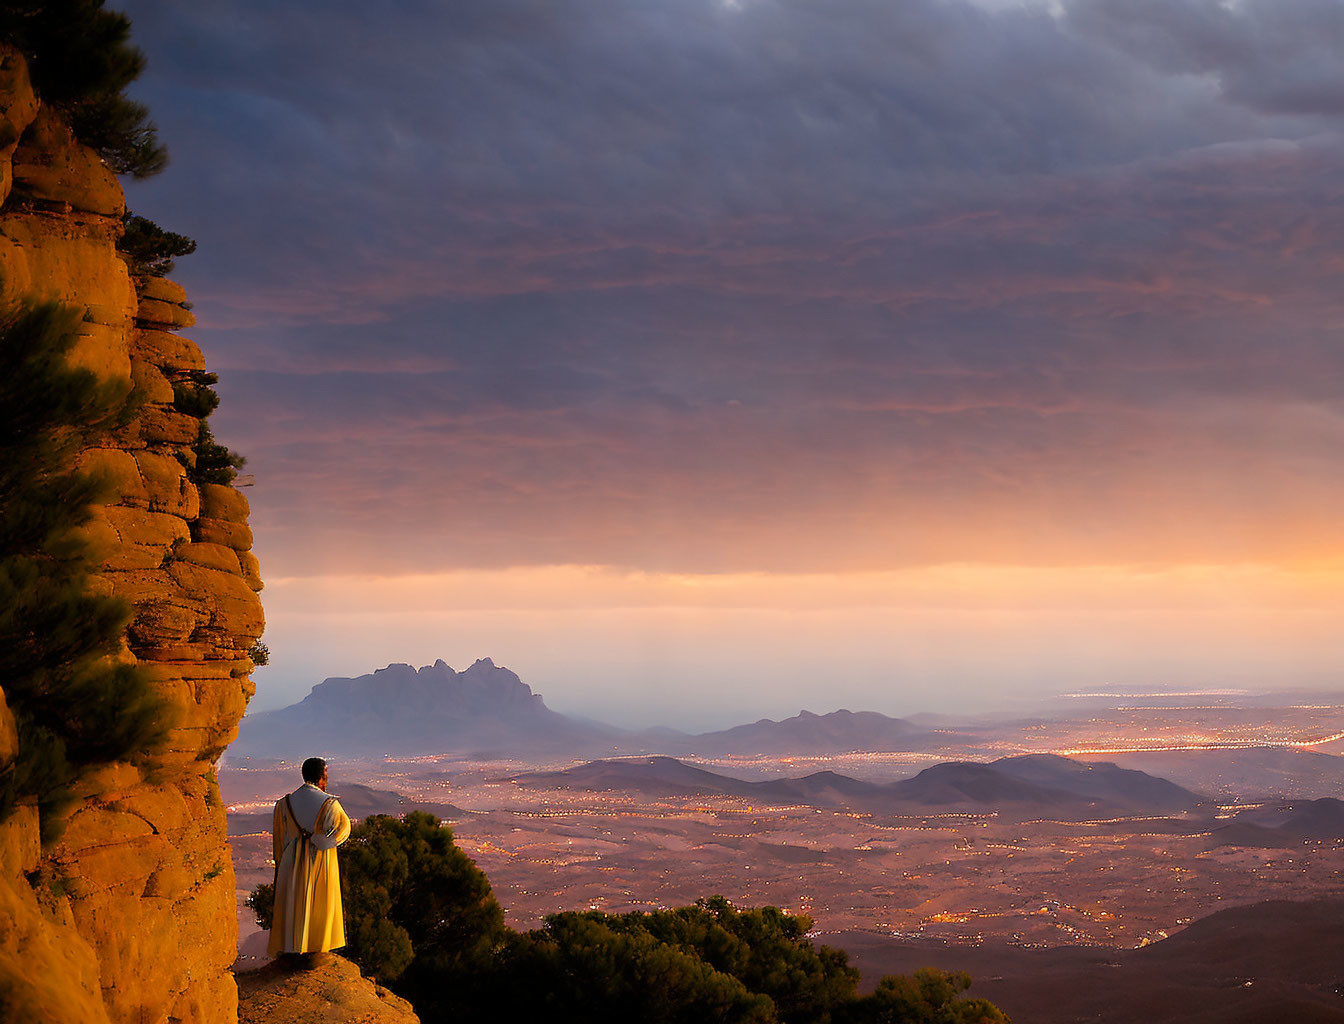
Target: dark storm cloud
625 133
688 282
1279 58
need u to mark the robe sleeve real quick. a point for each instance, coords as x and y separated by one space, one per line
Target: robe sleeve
278 831
337 830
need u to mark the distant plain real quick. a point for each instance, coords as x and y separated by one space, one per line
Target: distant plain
895 888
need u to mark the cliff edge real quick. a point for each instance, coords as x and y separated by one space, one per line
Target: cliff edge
332 993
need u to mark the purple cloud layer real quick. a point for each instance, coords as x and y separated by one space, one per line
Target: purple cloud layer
704 285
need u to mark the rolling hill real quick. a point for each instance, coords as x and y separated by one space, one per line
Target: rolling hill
1284 824
1058 787
359 802
1266 963
1102 780
1246 772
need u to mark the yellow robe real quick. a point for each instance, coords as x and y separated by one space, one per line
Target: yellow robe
308 914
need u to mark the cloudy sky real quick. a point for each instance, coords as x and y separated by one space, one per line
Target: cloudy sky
703 359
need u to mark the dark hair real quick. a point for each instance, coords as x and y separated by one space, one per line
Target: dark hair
313 769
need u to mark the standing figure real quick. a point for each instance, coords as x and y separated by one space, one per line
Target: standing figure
309 825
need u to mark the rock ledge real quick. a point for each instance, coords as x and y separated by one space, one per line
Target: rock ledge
332 993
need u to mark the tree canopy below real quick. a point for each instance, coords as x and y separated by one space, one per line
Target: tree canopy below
421 917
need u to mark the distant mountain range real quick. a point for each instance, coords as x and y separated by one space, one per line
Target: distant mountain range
487 711
1246 772
836 733
1038 785
482 710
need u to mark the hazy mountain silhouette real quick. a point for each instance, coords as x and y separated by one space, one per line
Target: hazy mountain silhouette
950 785
824 789
658 775
484 710
1043 786
835 733
661 775
1283 824
1102 780
1246 772
359 802
954 783
487 711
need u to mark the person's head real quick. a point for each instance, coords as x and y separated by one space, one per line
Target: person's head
315 771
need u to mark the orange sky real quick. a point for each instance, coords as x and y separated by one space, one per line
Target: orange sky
707 650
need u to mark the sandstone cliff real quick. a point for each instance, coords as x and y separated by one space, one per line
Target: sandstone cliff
130 917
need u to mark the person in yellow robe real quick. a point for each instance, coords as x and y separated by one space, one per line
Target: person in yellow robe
309 825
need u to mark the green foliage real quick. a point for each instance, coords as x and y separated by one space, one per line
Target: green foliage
215 464
708 961
73 706
765 948
406 886
421 917
149 250
262 902
929 997
384 946
195 395
81 62
595 967
259 653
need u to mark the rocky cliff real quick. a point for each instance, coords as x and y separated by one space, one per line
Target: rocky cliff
331 993
130 916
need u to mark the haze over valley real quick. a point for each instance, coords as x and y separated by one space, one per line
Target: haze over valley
895 835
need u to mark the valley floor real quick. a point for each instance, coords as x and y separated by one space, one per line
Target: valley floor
957 878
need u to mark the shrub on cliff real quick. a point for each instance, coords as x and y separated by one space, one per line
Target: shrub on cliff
195 395
81 62
74 707
928 997
148 249
408 872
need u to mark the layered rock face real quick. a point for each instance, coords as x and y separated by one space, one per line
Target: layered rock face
130 917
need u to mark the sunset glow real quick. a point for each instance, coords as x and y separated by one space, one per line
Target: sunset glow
948 353
956 637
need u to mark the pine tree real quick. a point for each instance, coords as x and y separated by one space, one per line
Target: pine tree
73 704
